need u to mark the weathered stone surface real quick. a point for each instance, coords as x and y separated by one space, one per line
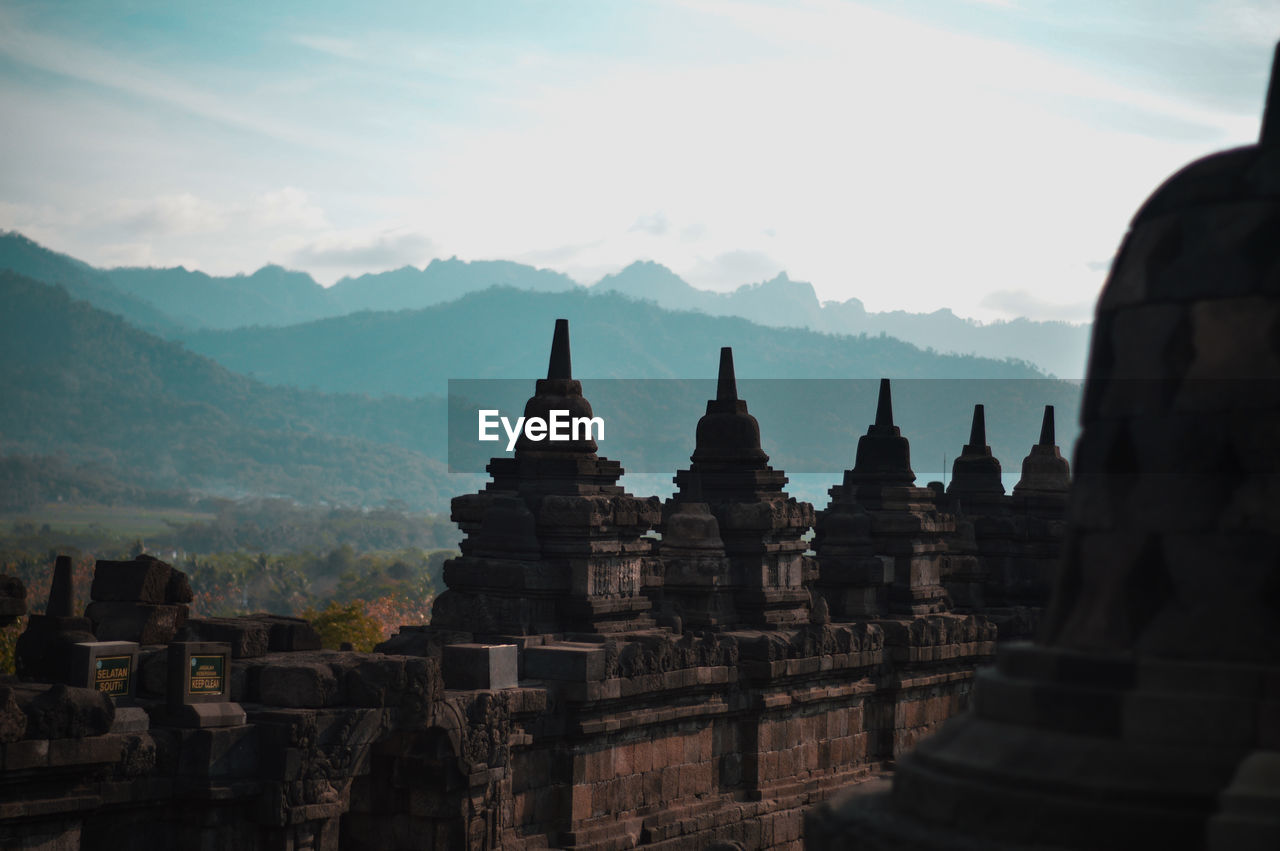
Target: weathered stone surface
64 712
145 623
152 671
565 661
44 649
145 579
13 721
178 589
480 666
248 637
288 634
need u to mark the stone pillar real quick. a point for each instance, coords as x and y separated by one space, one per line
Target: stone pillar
46 647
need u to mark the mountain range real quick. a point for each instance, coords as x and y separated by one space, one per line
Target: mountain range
351 409
174 301
85 387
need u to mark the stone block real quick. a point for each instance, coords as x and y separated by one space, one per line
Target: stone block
13 721
306 684
64 712
153 671
375 682
144 579
178 589
248 638
130 719
480 666
44 648
207 715
141 622
288 635
25 755
221 751
567 661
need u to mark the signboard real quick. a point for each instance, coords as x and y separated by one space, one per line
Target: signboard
111 675
207 674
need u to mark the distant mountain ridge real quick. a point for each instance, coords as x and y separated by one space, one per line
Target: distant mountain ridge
173 301
95 405
83 385
504 333
1059 348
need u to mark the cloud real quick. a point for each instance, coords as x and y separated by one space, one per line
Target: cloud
1248 21
167 215
288 207
732 269
384 251
1015 303
79 60
553 256
137 254
342 48
654 223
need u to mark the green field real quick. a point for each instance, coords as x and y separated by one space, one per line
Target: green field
125 521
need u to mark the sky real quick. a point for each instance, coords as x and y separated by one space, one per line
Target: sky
980 155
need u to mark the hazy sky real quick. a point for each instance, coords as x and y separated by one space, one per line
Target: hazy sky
984 155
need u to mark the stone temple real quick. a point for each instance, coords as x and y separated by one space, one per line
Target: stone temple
582 684
724 684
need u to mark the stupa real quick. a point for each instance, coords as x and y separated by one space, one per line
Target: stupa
732 548
552 544
1147 715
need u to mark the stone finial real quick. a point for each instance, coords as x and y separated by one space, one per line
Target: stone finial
976 471
560 365
62 598
726 383
884 407
1046 428
728 433
559 391
884 455
1044 470
978 430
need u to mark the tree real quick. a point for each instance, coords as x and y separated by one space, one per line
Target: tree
345 622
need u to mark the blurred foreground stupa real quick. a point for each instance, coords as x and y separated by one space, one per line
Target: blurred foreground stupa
1148 713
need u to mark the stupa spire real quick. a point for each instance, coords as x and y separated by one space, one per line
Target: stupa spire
727 383
61 592
884 406
560 366
978 431
1047 437
884 455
